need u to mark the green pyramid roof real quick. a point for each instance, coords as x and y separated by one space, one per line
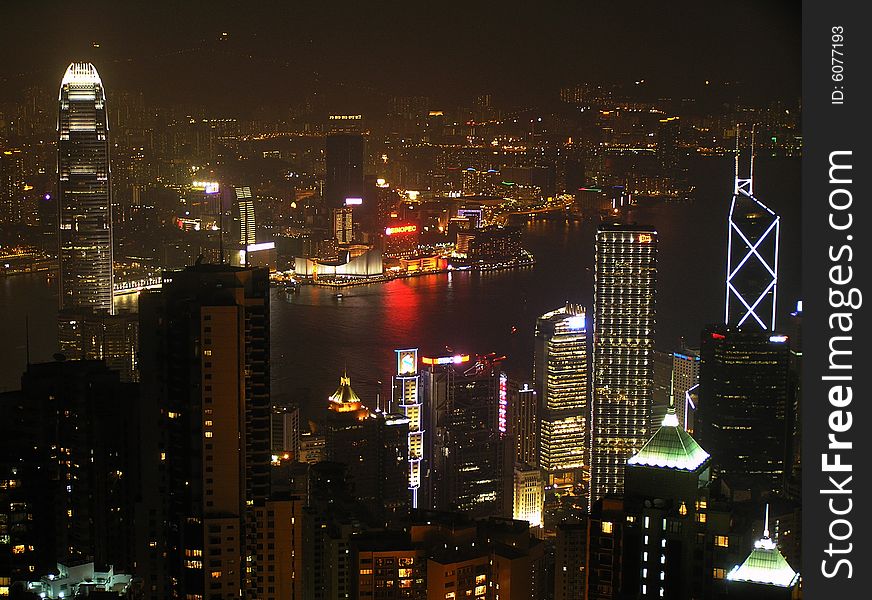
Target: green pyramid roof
671 447
765 564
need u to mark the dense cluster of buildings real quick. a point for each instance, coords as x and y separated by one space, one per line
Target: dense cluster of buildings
149 460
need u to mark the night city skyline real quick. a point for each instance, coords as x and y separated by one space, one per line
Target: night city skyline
320 302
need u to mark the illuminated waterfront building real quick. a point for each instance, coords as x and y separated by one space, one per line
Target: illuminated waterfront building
343 225
744 378
624 323
752 255
560 373
407 398
12 186
245 207
84 200
206 385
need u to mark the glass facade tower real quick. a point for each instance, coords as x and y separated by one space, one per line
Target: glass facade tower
560 372
85 209
623 347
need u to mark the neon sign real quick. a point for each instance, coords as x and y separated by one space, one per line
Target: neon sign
401 229
446 360
208 187
504 403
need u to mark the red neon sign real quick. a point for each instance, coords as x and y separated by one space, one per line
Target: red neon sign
401 229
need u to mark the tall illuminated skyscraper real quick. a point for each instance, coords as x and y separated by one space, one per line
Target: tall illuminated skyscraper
245 205
752 255
560 374
85 209
624 322
408 399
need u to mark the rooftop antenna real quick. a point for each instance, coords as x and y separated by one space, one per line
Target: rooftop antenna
766 523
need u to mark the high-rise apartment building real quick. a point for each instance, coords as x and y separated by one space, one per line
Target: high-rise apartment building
560 373
84 200
625 287
205 366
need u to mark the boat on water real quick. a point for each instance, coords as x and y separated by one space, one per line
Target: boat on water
338 296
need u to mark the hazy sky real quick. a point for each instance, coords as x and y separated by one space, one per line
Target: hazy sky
451 51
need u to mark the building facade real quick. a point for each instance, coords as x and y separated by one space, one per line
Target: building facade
625 287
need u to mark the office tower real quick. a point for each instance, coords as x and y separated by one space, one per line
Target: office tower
662 391
12 186
245 208
668 535
560 375
764 574
743 394
343 225
344 160
375 447
285 430
84 201
69 469
685 382
471 452
668 156
570 554
752 255
526 426
529 495
205 371
625 284
406 397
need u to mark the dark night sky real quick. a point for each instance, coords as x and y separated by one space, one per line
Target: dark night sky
519 50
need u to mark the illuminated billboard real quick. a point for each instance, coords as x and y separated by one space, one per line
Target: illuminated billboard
401 229
208 187
407 362
446 360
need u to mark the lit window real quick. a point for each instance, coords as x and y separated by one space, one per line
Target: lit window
722 541
700 517
607 527
216 574
208 434
719 573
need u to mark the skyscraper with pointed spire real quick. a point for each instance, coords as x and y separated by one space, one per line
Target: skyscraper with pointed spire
752 253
